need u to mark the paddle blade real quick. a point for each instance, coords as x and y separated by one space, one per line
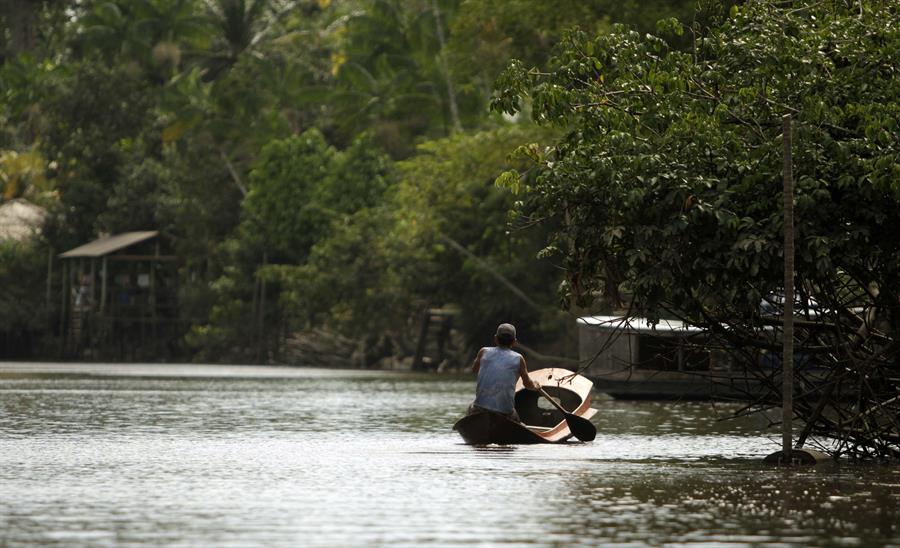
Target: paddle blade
582 428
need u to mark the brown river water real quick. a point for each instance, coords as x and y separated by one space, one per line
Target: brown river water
150 455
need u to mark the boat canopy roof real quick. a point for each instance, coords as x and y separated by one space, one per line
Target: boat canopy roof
637 324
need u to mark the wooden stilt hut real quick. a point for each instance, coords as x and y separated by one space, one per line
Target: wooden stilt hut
118 299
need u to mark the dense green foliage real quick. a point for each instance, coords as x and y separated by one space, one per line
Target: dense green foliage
23 323
317 163
670 172
444 194
667 188
311 163
23 277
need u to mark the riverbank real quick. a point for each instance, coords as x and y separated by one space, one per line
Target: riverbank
182 370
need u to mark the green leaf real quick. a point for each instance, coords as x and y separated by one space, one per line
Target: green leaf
509 180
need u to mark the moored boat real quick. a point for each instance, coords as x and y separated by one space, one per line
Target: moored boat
634 358
541 421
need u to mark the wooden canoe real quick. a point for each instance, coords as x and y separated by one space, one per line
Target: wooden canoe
541 422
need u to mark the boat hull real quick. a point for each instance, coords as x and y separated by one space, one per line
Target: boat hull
672 385
486 427
541 422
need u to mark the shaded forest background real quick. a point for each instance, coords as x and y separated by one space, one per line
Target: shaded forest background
342 153
339 168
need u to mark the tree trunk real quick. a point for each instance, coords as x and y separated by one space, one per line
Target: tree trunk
451 93
21 17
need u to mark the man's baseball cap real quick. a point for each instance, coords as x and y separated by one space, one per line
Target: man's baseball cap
506 330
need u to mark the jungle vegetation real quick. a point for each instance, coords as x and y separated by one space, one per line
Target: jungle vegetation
666 191
328 150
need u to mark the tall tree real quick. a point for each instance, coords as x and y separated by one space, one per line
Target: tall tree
95 121
667 187
154 33
486 34
392 73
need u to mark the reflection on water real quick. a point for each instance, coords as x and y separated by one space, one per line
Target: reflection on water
266 456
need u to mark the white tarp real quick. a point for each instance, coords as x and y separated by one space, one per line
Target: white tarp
20 220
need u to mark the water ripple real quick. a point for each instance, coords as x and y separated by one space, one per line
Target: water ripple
236 457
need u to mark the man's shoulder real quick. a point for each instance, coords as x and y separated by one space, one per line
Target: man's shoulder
504 349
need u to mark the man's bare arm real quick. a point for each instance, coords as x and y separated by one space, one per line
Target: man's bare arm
476 365
526 378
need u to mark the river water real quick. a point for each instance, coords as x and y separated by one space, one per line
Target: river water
135 455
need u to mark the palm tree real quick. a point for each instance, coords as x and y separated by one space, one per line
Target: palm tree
392 69
110 30
236 23
241 27
387 93
153 32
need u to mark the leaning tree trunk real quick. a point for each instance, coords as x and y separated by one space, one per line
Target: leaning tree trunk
451 93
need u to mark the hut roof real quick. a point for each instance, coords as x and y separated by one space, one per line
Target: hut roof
109 244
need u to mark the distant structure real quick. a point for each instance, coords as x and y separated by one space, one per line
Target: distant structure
434 336
118 299
20 220
632 358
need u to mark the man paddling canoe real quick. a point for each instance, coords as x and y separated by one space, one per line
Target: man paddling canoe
497 368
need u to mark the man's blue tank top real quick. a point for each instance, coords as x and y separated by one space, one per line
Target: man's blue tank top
496 385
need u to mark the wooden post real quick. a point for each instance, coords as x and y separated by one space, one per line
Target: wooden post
103 271
787 406
93 301
634 347
254 303
63 307
418 360
153 301
49 284
788 455
260 348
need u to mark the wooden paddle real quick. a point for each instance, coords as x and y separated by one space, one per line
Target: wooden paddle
583 429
